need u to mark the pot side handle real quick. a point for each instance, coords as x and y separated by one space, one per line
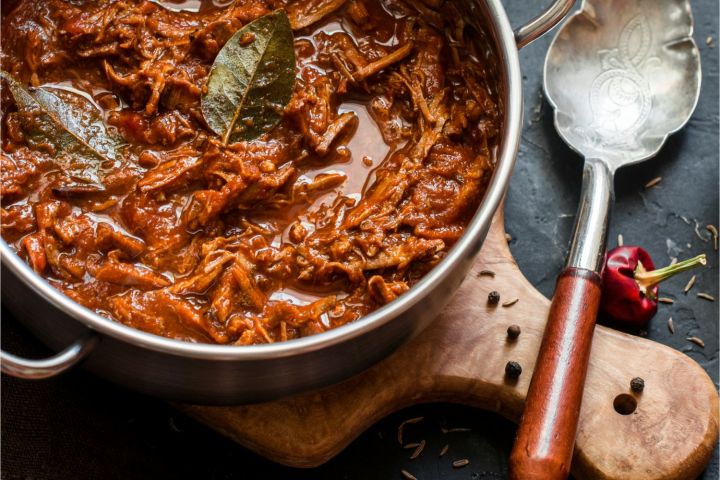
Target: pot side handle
539 25
31 369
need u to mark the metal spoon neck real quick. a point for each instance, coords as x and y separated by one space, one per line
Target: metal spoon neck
587 249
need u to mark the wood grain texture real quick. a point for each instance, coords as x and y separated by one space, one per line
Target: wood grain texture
461 358
546 436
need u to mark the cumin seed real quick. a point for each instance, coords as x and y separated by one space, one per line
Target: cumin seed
620 241
714 232
444 450
173 425
653 182
486 273
451 430
408 475
689 285
418 450
402 426
510 303
666 300
697 341
671 326
706 296
460 463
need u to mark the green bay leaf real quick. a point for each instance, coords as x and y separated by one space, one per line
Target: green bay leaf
251 80
65 120
85 151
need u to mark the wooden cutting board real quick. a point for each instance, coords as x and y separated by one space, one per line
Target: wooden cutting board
461 358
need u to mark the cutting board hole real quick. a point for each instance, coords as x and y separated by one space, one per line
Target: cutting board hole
625 404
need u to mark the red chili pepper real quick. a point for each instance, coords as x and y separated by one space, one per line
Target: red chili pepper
630 284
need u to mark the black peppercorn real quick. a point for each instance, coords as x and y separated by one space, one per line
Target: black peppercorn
513 370
493 298
637 384
513 332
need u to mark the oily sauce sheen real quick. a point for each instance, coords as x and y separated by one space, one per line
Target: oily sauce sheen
381 158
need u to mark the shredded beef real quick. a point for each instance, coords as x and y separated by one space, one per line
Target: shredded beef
263 240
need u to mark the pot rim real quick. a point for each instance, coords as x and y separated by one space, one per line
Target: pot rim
507 53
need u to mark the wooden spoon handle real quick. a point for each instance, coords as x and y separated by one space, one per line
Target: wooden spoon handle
546 435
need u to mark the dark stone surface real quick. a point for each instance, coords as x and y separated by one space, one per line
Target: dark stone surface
78 426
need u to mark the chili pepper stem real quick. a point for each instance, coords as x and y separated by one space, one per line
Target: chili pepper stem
647 280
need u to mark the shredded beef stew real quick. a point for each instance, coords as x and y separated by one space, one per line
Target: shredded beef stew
116 190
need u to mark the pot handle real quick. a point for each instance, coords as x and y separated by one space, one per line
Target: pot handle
543 22
31 369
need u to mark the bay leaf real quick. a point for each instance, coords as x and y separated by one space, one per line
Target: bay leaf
251 80
72 125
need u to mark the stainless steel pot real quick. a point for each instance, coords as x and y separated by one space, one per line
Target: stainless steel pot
220 374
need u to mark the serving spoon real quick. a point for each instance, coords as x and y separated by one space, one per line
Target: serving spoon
622 76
